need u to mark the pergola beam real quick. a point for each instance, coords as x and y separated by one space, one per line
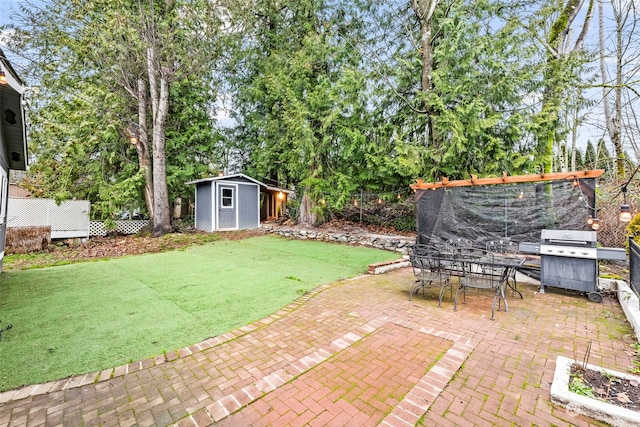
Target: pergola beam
505 179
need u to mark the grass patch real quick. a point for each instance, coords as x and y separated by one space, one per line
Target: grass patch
85 317
34 260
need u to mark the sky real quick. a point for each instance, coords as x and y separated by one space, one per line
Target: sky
6 8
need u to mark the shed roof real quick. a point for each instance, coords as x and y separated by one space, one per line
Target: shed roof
241 176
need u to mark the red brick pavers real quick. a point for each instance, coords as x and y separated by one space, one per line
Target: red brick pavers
359 385
319 357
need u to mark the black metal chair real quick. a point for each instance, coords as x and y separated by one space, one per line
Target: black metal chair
460 245
427 263
508 248
482 274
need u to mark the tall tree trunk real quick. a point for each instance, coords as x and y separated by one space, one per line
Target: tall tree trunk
306 214
613 119
142 147
159 90
424 10
557 47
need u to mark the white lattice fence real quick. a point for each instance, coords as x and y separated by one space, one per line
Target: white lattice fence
67 220
97 228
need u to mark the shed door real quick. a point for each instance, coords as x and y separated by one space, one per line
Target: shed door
227 207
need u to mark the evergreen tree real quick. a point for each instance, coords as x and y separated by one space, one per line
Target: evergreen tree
107 70
300 100
580 163
590 156
603 158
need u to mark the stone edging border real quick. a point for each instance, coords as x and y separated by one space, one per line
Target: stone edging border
630 304
391 243
383 267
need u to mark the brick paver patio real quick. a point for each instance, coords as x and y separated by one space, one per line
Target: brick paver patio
353 353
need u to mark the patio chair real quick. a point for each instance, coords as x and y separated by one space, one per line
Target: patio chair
428 270
506 247
481 273
502 246
460 245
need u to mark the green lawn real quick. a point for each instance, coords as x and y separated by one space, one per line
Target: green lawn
85 317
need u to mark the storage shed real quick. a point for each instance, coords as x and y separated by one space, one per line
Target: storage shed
236 202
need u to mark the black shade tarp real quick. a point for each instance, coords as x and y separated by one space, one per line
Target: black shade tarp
517 212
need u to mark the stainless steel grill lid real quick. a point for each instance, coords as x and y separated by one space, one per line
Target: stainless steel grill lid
576 238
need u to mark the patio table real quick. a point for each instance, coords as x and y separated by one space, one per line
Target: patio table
482 270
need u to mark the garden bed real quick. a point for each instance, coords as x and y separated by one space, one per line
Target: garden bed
609 411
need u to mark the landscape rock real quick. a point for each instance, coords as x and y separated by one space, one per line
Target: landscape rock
359 238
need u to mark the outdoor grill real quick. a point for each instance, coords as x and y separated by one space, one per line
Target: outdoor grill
569 260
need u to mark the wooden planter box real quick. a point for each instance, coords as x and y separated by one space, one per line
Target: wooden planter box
22 240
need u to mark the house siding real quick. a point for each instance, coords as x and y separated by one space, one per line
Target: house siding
4 192
13 142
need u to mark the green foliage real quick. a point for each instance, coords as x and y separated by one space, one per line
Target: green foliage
578 386
481 68
301 100
89 57
193 144
315 111
327 96
474 109
561 72
633 228
580 163
604 159
590 155
78 151
635 369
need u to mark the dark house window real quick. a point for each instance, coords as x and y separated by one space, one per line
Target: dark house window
227 197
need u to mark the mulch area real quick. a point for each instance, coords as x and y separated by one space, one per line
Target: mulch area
70 251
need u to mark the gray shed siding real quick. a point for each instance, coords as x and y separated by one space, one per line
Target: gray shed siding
204 207
249 203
